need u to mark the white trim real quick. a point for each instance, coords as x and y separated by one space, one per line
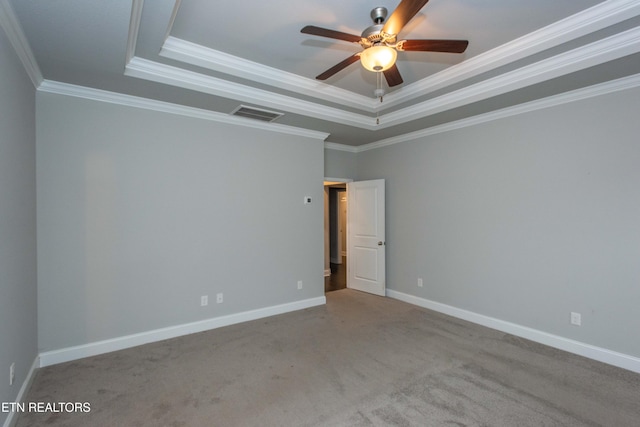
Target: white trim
53 357
590 20
166 107
134 28
587 21
600 354
582 23
610 48
621 84
599 52
600 89
26 385
172 20
345 180
166 74
195 54
18 40
340 147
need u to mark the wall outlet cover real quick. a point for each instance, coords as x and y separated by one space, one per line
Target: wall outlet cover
576 319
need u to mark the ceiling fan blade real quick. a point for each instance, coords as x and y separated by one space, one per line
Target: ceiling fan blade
393 76
451 46
339 67
332 34
406 10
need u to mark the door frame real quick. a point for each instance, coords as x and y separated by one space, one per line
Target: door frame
327 215
341 217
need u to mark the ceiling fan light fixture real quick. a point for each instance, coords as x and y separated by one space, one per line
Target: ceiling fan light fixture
378 58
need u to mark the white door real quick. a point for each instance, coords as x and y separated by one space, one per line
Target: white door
365 236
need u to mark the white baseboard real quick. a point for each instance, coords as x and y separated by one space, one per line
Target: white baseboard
92 349
26 385
604 355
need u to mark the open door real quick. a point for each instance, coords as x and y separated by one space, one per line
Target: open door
366 236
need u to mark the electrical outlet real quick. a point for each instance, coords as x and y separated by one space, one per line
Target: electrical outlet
12 373
576 319
219 298
204 300
299 284
419 282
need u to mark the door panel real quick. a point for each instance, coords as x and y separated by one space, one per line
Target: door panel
366 264
366 236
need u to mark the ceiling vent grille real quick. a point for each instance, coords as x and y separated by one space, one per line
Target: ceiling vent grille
256 113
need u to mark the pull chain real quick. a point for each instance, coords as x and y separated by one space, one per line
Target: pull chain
379 92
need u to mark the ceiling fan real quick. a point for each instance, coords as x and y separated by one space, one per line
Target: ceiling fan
380 43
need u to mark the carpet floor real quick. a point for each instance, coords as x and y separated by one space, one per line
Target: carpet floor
360 360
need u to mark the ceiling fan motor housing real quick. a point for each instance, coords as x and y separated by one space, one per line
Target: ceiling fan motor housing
379 14
373 33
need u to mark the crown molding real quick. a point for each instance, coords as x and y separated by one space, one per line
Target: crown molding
585 22
66 89
195 54
172 19
590 20
622 84
596 53
162 73
613 47
134 28
613 86
340 147
12 28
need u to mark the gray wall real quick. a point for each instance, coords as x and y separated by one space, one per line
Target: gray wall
523 219
339 164
140 213
18 306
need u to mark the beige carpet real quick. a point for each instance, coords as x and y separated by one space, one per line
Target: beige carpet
361 360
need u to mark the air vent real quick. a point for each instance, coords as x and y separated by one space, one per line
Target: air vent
256 114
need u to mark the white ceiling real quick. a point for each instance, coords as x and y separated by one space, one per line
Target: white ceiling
213 56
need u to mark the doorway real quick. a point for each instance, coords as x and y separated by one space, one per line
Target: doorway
360 262
335 235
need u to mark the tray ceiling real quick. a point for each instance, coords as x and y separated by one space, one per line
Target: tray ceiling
214 57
